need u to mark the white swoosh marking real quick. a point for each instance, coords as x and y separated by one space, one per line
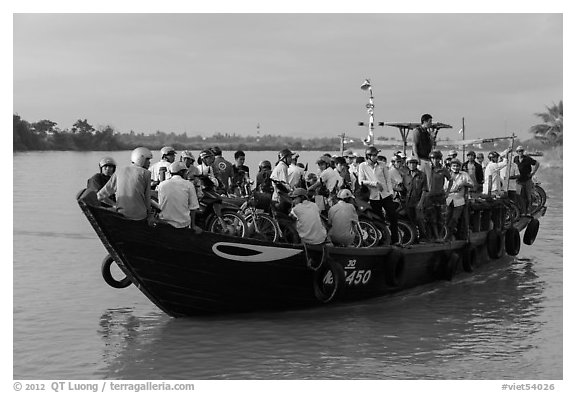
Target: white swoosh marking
265 253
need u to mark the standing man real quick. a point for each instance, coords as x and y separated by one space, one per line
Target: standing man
159 169
416 191
455 190
423 141
475 171
296 173
436 201
481 161
376 178
131 185
222 169
492 179
527 167
280 174
178 200
240 175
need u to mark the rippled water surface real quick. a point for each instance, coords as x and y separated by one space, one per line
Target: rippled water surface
502 322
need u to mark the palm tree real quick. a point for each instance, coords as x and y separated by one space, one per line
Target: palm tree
550 130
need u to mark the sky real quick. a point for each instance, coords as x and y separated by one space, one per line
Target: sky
293 74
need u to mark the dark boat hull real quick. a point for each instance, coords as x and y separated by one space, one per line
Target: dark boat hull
186 274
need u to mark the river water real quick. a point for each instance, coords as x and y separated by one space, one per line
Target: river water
502 322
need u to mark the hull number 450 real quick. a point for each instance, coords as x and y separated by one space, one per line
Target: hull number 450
357 277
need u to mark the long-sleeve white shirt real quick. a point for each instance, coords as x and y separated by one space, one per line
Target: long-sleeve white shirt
371 176
493 169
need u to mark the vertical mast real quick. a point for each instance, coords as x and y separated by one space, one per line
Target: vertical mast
369 140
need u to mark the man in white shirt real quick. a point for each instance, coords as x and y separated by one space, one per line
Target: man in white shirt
307 215
159 170
377 179
280 174
343 219
177 199
327 176
492 179
296 173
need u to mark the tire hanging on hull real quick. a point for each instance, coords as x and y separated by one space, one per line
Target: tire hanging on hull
394 270
512 241
107 274
531 231
328 279
469 259
494 244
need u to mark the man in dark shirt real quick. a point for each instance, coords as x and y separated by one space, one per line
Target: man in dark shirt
263 182
436 199
240 175
423 140
475 171
416 186
107 168
524 183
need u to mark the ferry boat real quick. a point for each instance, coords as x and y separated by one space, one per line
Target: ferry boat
189 274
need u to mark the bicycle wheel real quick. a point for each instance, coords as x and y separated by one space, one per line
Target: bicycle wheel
512 214
367 235
407 233
265 228
233 224
538 199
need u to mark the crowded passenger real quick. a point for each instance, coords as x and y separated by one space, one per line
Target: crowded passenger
423 141
206 169
474 170
159 170
327 176
263 182
348 179
307 214
296 173
343 219
492 180
376 178
192 170
222 169
481 161
456 189
435 204
527 167
280 174
107 167
240 180
131 185
416 185
178 200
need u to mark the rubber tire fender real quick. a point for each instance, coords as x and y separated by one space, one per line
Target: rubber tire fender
494 244
320 275
531 231
451 266
394 270
107 274
469 259
512 241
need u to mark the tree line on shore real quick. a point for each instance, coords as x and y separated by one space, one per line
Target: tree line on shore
82 136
